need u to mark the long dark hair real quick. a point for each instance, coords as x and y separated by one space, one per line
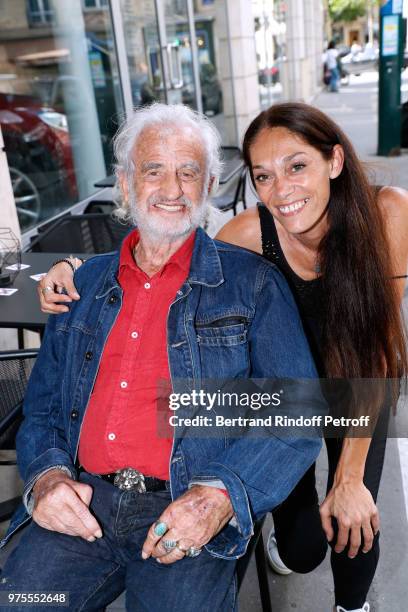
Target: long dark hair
364 333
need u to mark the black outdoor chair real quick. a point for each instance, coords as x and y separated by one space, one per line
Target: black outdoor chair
89 233
100 206
15 370
233 195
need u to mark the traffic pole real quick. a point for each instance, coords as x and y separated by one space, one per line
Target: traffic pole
389 86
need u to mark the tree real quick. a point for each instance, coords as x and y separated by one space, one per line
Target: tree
346 10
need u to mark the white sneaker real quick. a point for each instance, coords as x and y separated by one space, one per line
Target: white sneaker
365 608
274 559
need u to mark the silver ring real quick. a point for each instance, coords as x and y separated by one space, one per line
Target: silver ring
193 552
46 289
169 545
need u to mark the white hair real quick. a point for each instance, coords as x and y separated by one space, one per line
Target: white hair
165 116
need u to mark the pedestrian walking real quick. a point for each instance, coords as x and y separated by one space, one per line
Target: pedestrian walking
332 66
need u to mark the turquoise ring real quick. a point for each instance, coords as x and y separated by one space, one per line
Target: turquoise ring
160 528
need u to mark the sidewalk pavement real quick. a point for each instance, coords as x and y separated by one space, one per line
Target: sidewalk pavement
354 108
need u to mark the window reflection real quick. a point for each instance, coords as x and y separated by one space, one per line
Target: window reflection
60 92
270 41
143 51
95 4
39 12
145 58
59 101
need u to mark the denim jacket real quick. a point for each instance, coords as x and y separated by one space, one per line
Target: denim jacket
234 317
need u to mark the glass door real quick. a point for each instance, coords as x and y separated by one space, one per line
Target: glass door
159 51
213 49
142 49
178 51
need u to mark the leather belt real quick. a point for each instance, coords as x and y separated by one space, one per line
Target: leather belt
129 479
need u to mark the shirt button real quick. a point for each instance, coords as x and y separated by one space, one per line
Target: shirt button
134 334
74 414
147 286
179 292
111 436
112 299
88 355
123 384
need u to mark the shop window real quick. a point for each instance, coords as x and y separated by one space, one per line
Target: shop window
92 5
39 12
60 104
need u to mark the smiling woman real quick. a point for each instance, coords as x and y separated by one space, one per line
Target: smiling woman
292 178
324 211
342 245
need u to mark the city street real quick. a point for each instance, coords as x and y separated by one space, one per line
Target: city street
355 110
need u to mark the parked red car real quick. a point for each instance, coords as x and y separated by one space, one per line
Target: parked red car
268 75
38 149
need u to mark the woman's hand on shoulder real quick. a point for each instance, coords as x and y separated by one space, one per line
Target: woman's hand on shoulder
244 230
57 280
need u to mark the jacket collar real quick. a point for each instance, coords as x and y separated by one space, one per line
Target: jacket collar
205 268
110 281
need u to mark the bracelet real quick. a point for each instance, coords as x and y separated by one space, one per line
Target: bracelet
74 257
71 265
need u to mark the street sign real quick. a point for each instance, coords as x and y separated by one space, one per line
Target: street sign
390 36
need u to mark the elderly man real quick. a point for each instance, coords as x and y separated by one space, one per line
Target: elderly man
114 505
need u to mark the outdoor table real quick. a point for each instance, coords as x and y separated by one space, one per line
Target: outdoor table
22 309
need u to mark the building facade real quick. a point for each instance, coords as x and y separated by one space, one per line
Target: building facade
70 72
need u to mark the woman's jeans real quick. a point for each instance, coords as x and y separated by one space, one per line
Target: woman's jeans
334 79
301 541
95 573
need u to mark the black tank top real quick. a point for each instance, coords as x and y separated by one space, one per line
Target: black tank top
309 295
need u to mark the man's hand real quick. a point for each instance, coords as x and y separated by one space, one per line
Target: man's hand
57 279
62 504
192 520
352 505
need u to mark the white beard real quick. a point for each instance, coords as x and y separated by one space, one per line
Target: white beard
157 230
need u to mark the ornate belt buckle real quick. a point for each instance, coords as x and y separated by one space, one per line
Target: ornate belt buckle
128 479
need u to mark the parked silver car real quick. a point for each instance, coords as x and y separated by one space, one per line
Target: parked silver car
363 61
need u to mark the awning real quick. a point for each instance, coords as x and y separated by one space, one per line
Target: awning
44 58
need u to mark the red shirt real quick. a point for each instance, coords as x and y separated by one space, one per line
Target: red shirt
120 424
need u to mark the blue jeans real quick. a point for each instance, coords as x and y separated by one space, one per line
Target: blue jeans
334 79
95 573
